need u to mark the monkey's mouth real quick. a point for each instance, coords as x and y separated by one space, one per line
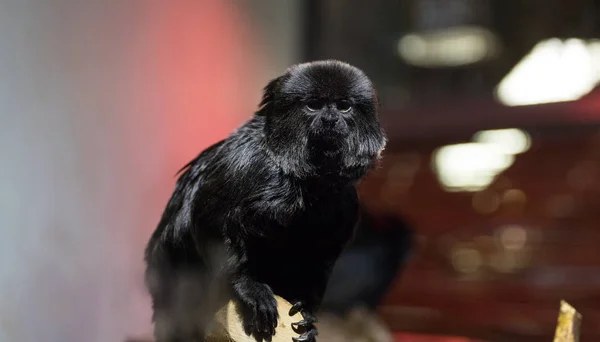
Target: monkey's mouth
329 130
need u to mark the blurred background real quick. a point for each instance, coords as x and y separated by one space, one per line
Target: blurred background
494 152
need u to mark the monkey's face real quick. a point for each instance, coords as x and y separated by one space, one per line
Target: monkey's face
325 108
327 99
327 118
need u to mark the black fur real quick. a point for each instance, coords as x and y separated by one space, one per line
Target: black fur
269 209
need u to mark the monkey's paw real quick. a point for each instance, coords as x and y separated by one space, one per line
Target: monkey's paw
306 326
258 308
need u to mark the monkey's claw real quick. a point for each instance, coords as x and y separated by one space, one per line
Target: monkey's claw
306 325
295 308
299 307
309 336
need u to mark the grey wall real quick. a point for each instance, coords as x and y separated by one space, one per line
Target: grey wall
62 276
279 24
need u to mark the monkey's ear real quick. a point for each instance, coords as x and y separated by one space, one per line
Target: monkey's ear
268 96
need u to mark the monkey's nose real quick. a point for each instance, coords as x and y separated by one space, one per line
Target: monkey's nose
329 120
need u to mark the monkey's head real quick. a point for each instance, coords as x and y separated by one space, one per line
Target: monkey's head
321 119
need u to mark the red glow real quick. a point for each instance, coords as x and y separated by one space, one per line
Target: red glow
199 61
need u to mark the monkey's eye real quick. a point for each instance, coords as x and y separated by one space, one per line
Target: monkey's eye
315 105
343 106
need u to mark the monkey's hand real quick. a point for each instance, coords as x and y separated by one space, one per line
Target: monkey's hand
258 308
306 326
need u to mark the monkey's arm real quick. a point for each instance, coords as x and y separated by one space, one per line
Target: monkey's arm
255 300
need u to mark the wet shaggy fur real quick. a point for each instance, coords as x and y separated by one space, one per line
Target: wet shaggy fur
269 209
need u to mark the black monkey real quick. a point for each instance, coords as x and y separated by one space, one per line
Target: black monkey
269 209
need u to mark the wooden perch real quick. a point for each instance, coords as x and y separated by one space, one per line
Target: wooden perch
569 321
230 329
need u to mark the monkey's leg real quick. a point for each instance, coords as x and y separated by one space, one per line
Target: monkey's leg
307 308
182 307
175 328
308 301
